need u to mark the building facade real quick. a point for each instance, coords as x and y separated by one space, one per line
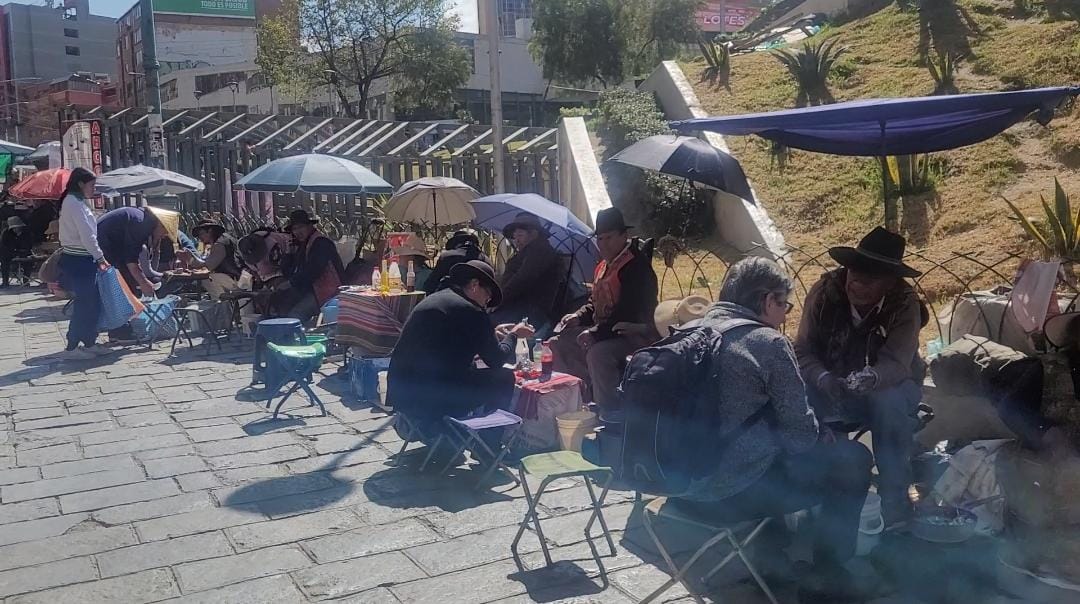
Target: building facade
190 34
40 44
509 12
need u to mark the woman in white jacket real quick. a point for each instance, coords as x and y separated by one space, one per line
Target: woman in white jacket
80 260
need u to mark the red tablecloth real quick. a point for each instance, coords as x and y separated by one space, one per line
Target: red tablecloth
371 321
539 403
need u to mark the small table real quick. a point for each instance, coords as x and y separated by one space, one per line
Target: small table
372 321
539 403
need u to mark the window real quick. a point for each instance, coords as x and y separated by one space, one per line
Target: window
71 33
137 36
72 51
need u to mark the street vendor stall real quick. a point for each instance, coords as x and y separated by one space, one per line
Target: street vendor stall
371 321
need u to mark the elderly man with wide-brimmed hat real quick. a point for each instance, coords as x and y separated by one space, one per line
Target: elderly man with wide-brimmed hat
315 271
858 350
221 258
531 280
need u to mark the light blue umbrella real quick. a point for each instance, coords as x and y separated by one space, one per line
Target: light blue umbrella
566 232
314 173
147 180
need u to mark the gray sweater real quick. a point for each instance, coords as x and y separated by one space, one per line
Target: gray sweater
757 369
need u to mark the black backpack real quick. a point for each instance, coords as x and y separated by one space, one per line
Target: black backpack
670 417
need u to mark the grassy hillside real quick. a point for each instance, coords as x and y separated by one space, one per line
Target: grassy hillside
824 200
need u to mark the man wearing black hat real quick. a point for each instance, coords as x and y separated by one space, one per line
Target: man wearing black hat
595 340
314 273
858 351
531 279
463 246
431 369
220 260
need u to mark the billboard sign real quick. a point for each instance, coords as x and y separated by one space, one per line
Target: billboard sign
717 16
244 9
82 146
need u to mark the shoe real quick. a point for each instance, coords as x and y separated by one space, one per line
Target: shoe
79 354
98 351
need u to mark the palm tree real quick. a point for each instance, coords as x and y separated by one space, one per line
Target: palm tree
810 67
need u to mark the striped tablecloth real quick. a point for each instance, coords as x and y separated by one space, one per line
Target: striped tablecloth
371 321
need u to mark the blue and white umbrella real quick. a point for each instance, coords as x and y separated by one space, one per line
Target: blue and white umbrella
566 232
146 180
313 173
690 158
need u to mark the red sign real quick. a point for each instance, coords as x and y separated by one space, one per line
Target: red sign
95 146
726 16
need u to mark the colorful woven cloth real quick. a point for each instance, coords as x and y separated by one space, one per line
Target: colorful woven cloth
372 322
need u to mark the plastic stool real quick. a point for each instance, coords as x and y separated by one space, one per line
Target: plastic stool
296 365
283 332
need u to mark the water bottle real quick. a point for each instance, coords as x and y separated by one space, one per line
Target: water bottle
376 278
521 351
395 276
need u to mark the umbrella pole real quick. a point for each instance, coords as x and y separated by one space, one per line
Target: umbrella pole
435 209
892 221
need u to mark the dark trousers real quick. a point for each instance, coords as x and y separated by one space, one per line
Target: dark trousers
834 475
475 391
891 416
78 275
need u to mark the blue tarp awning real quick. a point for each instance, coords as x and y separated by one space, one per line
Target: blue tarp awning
881 127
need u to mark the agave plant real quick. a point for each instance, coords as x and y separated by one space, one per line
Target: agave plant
943 70
810 66
718 62
1059 236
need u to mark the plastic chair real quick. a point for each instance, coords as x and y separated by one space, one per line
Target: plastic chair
410 432
187 318
660 508
465 433
293 364
549 467
273 331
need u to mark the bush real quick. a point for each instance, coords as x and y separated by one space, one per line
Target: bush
625 117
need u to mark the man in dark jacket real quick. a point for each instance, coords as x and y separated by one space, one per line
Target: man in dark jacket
463 246
122 234
314 271
531 279
858 350
431 369
594 341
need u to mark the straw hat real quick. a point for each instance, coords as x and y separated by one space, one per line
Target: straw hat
170 220
675 313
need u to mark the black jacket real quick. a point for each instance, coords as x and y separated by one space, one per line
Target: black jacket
442 336
305 266
447 260
532 276
638 294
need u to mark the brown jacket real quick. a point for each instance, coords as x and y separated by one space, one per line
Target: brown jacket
829 341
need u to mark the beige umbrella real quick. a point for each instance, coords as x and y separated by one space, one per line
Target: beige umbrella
432 200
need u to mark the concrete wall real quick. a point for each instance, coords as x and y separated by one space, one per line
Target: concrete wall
581 186
742 225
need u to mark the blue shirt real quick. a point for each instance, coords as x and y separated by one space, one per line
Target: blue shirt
123 232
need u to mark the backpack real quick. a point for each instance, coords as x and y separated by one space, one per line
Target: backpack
669 433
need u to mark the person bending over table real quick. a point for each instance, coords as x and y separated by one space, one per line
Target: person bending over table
592 343
431 369
220 260
122 234
314 271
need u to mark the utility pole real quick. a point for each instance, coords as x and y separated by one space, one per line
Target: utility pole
494 33
153 90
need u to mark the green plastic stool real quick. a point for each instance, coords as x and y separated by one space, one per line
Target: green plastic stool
549 467
293 364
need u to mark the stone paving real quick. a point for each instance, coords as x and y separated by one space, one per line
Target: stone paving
143 478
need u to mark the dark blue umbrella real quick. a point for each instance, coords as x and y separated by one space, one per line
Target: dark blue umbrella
688 157
883 127
566 232
314 173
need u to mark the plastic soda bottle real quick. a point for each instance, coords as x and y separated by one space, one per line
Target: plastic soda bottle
410 278
384 281
395 276
547 361
521 351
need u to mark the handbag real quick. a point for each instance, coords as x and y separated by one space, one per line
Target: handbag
118 304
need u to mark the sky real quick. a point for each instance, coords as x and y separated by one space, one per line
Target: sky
466 9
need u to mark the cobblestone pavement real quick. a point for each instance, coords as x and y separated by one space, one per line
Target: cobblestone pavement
143 478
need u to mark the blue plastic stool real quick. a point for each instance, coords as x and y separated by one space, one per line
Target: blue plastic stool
330 311
284 332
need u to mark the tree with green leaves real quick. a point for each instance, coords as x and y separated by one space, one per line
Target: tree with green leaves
607 41
408 45
281 59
